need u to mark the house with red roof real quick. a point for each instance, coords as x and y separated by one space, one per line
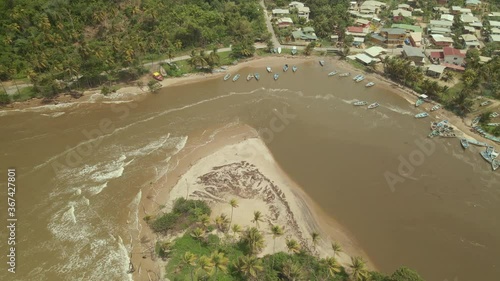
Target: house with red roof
453 56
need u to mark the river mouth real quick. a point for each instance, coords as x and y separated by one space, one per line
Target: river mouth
78 214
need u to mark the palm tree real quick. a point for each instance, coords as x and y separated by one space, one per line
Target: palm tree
292 271
358 269
337 249
198 234
189 259
293 246
332 266
236 229
219 261
314 239
276 231
257 217
254 240
249 266
204 220
221 222
234 204
205 265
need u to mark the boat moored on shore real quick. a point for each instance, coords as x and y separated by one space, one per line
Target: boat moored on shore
249 77
370 84
276 76
269 70
360 103
332 73
227 76
322 62
236 77
422 115
257 76
294 68
464 143
373 105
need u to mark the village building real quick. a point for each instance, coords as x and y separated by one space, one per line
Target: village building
494 23
472 4
494 38
413 54
495 31
296 5
280 12
407 27
365 59
304 13
441 41
469 29
468 19
416 39
284 22
453 56
476 25
470 41
304 35
394 36
440 30
362 22
371 7
435 70
440 23
447 17
494 15
357 31
375 51
442 10
405 7
400 14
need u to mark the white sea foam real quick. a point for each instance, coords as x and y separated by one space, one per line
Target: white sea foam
398 110
94 190
53 115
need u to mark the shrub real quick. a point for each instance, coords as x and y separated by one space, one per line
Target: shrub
165 223
4 99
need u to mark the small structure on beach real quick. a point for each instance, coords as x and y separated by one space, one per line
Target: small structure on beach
436 70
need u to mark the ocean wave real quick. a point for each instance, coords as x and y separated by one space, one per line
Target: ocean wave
53 115
398 110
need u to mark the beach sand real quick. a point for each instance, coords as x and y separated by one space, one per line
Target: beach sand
235 163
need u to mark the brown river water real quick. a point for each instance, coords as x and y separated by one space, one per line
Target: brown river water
80 169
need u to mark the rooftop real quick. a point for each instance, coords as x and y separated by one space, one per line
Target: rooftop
495 38
401 12
375 51
436 68
447 17
417 36
413 28
413 51
393 31
441 23
448 51
441 38
355 29
472 2
280 11
437 55
495 23
469 37
364 58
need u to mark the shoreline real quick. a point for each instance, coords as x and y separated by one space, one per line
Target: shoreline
289 204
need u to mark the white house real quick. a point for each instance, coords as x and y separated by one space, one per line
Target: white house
304 12
447 17
453 56
494 38
295 4
280 12
440 23
470 40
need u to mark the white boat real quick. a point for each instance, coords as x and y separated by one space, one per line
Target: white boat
279 50
249 77
370 84
332 73
493 124
485 103
257 76
294 50
227 76
419 102
360 79
294 68
492 115
495 164
422 115
478 143
356 77
269 69
345 74
436 107
236 77
464 143
285 68
373 105
322 62
359 103
276 76
476 121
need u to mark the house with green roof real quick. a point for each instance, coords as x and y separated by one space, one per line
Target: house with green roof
304 35
407 27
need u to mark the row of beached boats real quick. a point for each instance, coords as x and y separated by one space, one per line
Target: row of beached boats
442 129
490 155
257 75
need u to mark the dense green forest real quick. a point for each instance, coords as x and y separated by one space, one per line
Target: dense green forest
221 249
57 42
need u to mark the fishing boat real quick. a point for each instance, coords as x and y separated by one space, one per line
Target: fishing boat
322 62
486 156
294 50
433 133
360 78
257 76
478 143
227 76
494 114
436 107
485 103
249 77
448 135
162 71
345 74
157 76
373 105
422 115
269 70
279 50
294 68
370 84
464 143
285 68
356 77
493 124
236 77
276 76
359 103
495 164
419 102
476 121
332 73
